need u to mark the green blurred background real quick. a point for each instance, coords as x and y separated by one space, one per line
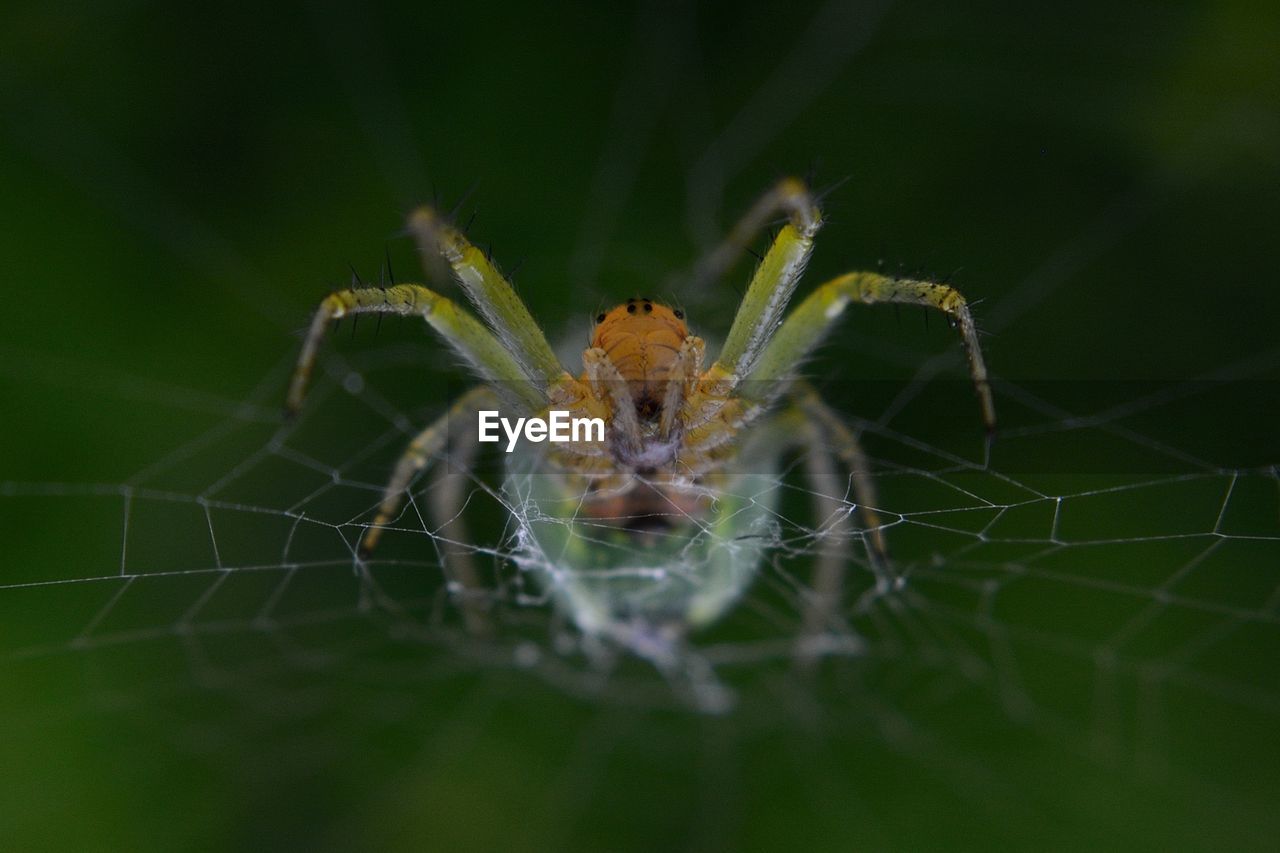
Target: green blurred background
179 184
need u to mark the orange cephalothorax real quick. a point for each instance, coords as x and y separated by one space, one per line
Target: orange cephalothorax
642 338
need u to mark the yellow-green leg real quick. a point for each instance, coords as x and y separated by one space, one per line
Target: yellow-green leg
805 327
775 279
789 196
831 427
484 352
820 611
490 292
446 498
425 447
811 426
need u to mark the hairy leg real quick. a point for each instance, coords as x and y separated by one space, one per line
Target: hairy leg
608 384
831 427
775 278
681 381
486 355
805 327
491 293
821 608
424 448
447 497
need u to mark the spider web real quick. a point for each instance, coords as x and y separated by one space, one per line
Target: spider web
1079 630
1097 613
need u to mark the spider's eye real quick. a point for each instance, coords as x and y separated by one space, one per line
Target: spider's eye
631 308
679 314
648 307
599 318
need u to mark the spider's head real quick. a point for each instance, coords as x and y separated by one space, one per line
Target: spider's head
639 319
642 338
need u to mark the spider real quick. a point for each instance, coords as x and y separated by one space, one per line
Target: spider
657 530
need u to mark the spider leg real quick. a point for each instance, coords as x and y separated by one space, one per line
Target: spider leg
425 447
490 292
721 428
775 278
788 196
447 497
608 384
467 335
684 370
828 426
807 425
820 611
805 326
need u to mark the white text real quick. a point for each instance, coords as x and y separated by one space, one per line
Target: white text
557 427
